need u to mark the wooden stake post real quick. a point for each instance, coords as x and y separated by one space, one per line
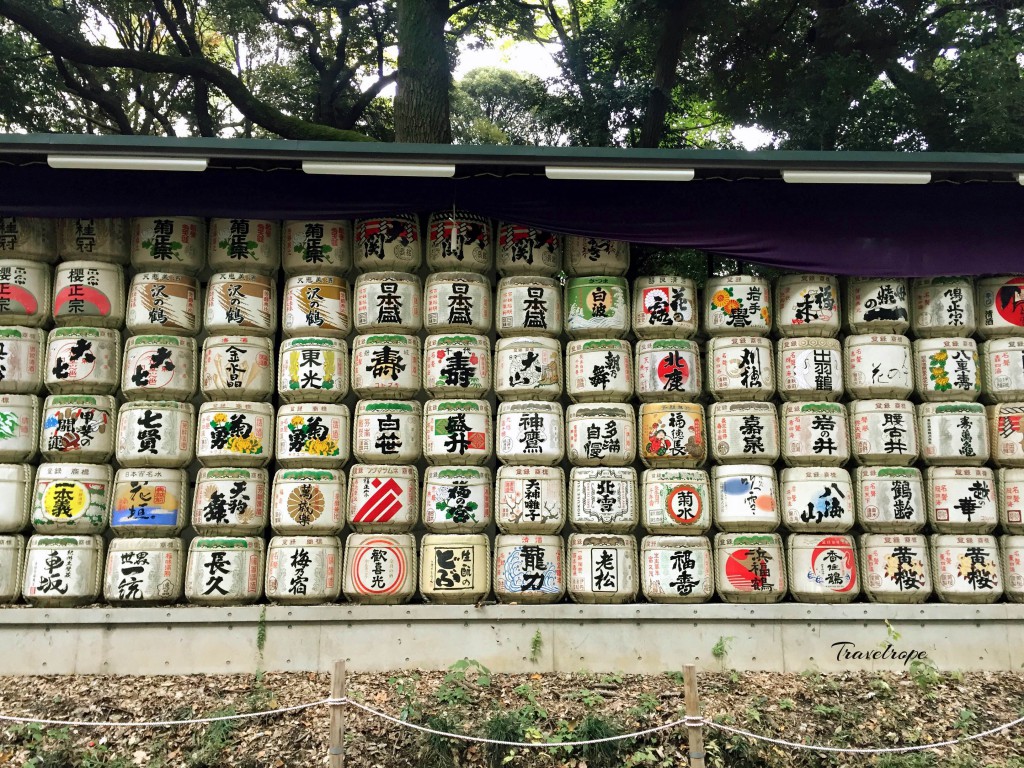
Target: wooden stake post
337 738
695 733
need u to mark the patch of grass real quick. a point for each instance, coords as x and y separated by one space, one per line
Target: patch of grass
645 705
721 649
536 647
604 754
47 747
925 676
405 687
787 704
209 744
463 675
504 726
438 751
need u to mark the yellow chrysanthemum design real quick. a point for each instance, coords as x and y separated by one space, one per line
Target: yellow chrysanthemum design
220 418
720 298
297 422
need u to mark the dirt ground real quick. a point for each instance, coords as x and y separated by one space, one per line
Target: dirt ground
849 710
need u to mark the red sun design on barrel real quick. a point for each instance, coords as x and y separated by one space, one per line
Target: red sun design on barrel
1010 301
83 293
673 365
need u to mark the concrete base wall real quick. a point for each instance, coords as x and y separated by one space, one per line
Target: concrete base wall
573 638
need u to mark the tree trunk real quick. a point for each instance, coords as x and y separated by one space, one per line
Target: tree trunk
675 22
422 109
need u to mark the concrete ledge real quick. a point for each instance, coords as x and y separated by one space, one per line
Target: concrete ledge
790 637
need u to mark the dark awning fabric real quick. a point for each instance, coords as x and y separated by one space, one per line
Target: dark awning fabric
945 227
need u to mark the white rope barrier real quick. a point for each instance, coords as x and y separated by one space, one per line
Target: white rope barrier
688 721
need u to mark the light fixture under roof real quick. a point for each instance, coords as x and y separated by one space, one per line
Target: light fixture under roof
330 168
857 177
616 173
126 162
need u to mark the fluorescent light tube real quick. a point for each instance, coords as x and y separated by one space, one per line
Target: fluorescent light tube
592 173
126 162
437 170
857 177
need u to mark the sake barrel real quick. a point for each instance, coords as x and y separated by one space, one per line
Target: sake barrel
150 502
313 435
1011 550
458 240
744 432
750 567
741 368
807 305
383 498
457 365
457 302
809 368
388 302
953 434
603 499
602 568
600 434
942 307
672 435
79 428
175 243
457 499
94 239
1010 500
1003 365
316 305
163 302
72 498
677 569
999 303
144 572
156 434
388 242
664 307
63 571
966 568
525 250
18 494
737 304
530 499
12 563
528 306
890 499
878 305
586 256
1006 434
88 293
879 365
386 365
224 570
822 569
676 501
815 434
884 432
530 432
528 368
455 569
235 434
961 499
241 303
528 569
947 369
159 367
24 293
21 360
312 369
238 368
746 498
83 361
19 427
308 502
457 432
597 307
231 501
316 245
29 237
599 370
303 570
817 499
388 431
667 369
250 245
380 568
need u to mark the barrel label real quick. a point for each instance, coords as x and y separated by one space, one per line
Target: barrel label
530 568
452 568
142 502
379 567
